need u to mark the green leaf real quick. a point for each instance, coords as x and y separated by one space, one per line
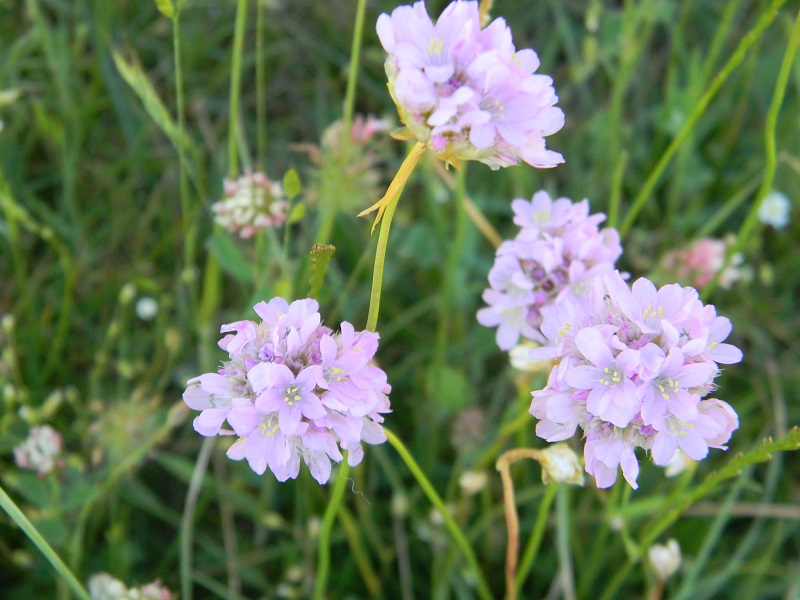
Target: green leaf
291 184
321 255
166 7
230 257
450 390
297 213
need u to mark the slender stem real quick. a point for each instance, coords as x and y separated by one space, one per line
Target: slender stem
456 247
390 203
38 540
188 226
261 90
236 77
187 521
770 162
352 73
455 531
616 190
689 126
512 525
324 559
562 542
532 549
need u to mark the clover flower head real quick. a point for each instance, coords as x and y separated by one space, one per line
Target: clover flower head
293 389
41 450
633 367
555 255
775 210
251 203
467 92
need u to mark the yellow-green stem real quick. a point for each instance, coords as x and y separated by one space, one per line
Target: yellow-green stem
391 198
455 531
38 540
236 76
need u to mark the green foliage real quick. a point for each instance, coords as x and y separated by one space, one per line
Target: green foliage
667 108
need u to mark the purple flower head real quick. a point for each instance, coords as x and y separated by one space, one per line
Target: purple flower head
557 252
633 364
468 93
293 390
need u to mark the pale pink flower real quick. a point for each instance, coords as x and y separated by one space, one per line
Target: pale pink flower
468 93
292 389
698 263
633 366
557 252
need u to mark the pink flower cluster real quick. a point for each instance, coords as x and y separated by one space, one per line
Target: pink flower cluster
252 203
466 92
41 450
633 366
558 250
698 263
292 389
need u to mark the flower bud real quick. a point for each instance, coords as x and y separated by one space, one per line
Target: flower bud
664 559
560 465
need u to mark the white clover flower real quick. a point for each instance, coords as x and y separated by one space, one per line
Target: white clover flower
775 210
40 451
146 308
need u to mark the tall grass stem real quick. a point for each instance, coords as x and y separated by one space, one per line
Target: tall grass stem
455 531
324 552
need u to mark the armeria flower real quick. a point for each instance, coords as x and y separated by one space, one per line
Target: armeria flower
41 450
252 203
556 253
103 586
697 264
634 364
292 389
467 93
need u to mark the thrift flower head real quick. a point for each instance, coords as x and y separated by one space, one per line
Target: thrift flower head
634 365
775 210
251 203
41 450
466 92
293 389
697 264
557 252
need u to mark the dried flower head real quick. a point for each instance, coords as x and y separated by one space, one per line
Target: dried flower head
251 203
665 559
466 92
293 389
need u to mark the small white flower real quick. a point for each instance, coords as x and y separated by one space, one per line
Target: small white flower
775 210
103 586
664 559
146 308
472 482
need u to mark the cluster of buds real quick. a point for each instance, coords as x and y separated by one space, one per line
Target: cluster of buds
41 451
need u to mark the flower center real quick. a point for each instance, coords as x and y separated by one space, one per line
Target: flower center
292 395
667 387
612 377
